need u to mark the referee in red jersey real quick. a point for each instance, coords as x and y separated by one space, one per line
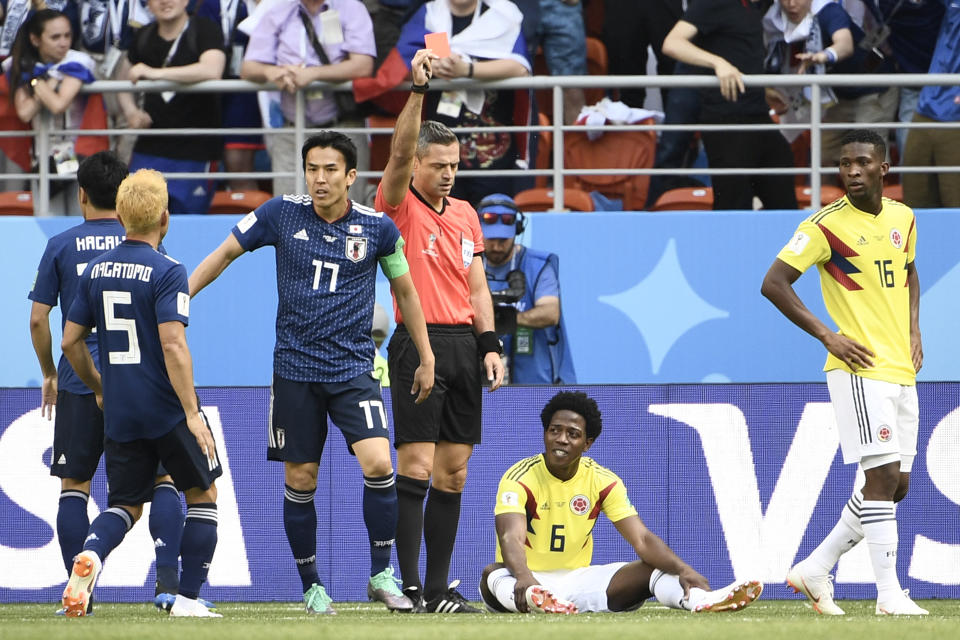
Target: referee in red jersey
434 439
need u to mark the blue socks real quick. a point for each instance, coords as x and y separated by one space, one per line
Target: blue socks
107 531
166 529
72 525
197 547
380 516
300 524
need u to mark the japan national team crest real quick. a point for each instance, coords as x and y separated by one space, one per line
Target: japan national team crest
580 504
884 433
356 248
896 239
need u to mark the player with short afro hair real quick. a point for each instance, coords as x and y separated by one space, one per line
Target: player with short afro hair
578 402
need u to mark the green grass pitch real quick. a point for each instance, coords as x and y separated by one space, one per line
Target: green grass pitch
283 621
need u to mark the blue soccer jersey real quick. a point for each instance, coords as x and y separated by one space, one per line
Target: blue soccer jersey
59 272
125 294
326 284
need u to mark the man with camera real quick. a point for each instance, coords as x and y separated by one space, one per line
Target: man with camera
525 287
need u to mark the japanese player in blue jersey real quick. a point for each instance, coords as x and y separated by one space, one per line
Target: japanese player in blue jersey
547 506
138 300
78 429
327 252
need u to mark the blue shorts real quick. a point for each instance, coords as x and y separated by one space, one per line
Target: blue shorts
192 195
299 410
132 466
77 436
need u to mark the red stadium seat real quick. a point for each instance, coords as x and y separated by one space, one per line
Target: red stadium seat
614 149
893 191
828 194
237 201
16 203
542 200
685 199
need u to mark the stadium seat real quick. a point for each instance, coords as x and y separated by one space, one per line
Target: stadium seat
685 199
614 149
237 201
597 65
16 203
542 200
828 194
893 191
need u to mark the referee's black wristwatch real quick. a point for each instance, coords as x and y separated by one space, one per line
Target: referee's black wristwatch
488 342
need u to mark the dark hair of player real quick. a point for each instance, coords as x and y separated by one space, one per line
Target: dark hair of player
335 140
579 403
866 136
100 176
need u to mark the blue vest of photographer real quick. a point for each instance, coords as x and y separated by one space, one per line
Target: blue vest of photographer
536 356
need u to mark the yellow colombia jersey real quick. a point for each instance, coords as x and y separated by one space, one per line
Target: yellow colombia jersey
561 515
862 261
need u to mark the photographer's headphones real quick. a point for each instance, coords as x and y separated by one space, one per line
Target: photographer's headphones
500 200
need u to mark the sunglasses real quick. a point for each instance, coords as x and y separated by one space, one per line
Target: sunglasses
489 217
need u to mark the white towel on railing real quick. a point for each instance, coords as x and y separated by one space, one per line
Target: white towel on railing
613 112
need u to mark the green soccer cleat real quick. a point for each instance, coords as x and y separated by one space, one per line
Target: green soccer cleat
383 588
317 601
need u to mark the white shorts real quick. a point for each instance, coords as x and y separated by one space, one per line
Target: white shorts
877 421
586 587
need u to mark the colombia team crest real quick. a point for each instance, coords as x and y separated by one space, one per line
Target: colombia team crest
896 239
356 248
884 433
580 504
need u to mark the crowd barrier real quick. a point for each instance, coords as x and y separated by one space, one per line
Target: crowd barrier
647 297
740 480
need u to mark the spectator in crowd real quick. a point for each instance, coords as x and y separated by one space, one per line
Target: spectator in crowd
45 74
937 147
629 28
914 26
292 45
181 49
727 37
561 33
487 43
240 109
525 286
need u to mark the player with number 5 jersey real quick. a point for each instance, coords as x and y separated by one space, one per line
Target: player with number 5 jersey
327 251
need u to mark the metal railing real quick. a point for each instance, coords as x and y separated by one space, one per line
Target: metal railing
554 83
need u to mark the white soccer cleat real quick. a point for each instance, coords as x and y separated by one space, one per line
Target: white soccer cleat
541 600
76 595
733 597
817 588
184 607
900 606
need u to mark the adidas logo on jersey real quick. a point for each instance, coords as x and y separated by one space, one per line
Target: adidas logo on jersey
158 543
63 459
200 191
301 235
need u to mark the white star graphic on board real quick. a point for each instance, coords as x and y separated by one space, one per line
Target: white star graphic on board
661 310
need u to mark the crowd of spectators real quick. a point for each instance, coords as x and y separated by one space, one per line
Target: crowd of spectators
290 44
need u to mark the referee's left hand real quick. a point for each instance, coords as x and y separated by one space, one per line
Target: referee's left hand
493 365
423 380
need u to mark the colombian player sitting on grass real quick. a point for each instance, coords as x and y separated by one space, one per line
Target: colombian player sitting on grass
543 554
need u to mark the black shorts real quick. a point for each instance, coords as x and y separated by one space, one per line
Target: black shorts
132 466
299 410
77 436
452 412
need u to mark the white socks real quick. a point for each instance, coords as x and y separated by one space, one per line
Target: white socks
880 531
844 536
666 588
502 583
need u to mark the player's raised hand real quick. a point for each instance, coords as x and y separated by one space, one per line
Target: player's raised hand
423 380
201 431
493 365
48 396
421 67
854 355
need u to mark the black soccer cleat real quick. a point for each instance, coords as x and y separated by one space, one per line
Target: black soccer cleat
416 597
451 601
